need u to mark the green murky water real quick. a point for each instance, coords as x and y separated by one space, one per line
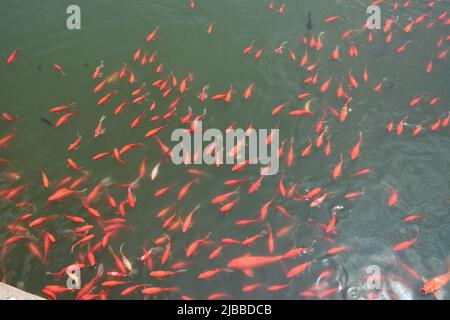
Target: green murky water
111 31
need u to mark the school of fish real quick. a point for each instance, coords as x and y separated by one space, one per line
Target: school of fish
99 238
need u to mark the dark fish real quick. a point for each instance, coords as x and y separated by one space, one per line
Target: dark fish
309 25
47 121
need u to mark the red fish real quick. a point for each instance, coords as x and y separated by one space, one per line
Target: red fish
188 221
59 69
63 119
249 48
248 262
186 188
335 54
106 98
13 56
296 271
431 286
405 244
354 153
248 91
45 181
393 197
152 35
337 171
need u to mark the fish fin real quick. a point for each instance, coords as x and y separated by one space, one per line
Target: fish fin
248 272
